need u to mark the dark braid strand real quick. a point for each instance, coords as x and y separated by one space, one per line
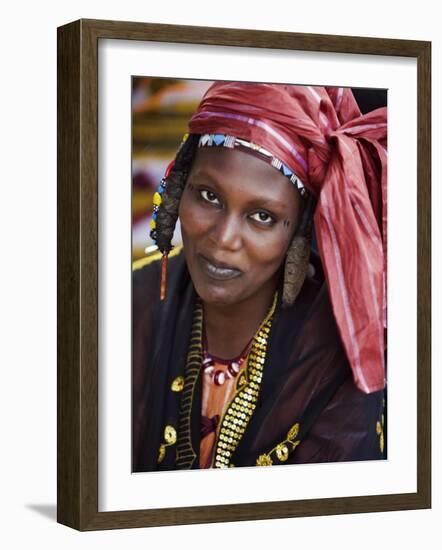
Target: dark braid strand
298 255
175 182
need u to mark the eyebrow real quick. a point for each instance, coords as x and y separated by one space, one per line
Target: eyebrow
203 174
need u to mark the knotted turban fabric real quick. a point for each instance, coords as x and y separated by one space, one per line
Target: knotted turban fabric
341 157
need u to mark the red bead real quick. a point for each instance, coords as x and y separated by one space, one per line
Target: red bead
219 378
235 367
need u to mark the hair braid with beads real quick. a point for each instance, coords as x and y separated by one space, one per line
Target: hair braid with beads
298 253
175 182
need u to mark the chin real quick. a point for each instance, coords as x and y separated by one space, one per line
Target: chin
216 295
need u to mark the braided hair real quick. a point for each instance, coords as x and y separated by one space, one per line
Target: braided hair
298 253
174 184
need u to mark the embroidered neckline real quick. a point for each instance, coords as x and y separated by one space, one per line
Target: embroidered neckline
240 408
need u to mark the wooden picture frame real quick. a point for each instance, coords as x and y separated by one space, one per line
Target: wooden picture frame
77 224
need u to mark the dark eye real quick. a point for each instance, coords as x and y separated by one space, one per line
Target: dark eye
209 196
262 217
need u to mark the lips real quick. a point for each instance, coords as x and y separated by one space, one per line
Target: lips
218 271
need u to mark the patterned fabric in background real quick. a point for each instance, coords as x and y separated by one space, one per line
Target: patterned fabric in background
161 109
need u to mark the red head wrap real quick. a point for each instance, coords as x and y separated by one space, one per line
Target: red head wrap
340 155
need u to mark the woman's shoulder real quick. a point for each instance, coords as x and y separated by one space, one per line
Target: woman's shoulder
352 426
146 275
308 329
152 262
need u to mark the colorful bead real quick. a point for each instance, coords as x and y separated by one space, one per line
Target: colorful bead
219 378
235 367
157 200
169 169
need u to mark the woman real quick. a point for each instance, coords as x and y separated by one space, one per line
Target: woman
258 352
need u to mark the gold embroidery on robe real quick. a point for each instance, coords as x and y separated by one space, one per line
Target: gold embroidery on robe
178 384
169 438
282 450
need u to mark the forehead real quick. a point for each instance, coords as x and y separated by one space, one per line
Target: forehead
235 170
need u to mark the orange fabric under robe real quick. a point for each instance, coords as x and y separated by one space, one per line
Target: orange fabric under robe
215 399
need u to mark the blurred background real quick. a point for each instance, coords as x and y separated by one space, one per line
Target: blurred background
161 108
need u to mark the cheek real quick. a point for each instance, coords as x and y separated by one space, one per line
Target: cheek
269 250
193 219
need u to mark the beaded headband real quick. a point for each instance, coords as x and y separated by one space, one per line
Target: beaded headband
232 142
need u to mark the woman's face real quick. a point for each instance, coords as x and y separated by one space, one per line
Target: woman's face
238 215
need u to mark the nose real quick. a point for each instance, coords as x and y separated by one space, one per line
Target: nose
227 232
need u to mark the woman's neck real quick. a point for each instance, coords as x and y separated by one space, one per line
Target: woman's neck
230 328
